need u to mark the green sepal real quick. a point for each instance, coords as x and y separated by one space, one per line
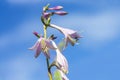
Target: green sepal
46 7
48 21
57 75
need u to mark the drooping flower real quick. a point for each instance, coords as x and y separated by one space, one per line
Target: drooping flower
42 45
56 8
59 75
71 36
60 60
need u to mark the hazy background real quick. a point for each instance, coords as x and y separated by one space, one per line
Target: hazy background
97 57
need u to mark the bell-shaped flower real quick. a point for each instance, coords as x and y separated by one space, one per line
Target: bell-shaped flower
42 45
71 36
56 8
60 60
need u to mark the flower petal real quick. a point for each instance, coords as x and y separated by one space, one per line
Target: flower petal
46 14
61 60
34 46
49 45
46 53
66 42
71 36
71 40
38 51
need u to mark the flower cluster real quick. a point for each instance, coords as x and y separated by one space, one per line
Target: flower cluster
44 44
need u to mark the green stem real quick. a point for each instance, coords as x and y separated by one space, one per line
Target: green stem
47 60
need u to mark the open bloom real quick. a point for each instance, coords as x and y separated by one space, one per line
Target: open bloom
42 45
56 8
60 60
71 36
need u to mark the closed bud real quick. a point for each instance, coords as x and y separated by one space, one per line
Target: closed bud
60 13
56 8
36 34
46 15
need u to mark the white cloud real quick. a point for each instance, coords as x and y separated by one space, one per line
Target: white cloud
22 33
23 1
22 68
98 29
49 1
36 1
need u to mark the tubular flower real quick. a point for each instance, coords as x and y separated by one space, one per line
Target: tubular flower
60 60
42 45
56 8
71 36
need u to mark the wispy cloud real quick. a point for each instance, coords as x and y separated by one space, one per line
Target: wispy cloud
23 1
35 1
98 29
16 68
22 33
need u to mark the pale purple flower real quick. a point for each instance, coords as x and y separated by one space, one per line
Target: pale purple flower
60 13
60 60
71 36
56 8
42 45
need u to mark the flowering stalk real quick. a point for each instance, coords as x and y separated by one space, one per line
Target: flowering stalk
47 60
44 44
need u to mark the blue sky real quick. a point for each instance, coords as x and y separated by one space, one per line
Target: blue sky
95 58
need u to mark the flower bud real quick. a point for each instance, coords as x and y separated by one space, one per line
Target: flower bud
60 13
36 34
56 8
46 15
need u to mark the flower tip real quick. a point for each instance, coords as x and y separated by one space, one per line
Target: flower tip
35 33
30 48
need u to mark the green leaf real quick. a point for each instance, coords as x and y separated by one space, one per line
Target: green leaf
57 75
